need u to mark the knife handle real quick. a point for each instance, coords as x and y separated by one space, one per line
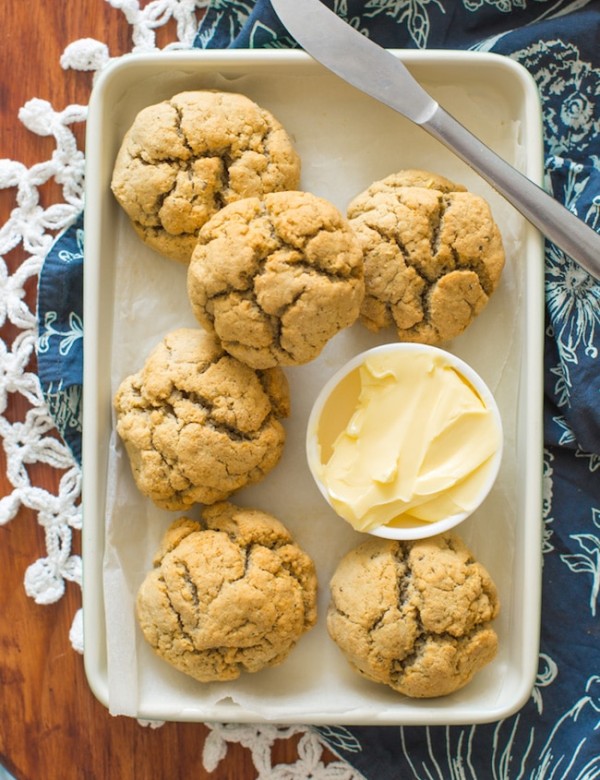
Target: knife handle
550 217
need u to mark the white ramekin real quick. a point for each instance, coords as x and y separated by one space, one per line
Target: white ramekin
313 451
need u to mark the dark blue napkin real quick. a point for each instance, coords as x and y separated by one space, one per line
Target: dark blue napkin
60 333
556 736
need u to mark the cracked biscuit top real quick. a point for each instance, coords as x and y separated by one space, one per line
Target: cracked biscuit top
197 424
276 278
414 615
232 593
433 255
185 158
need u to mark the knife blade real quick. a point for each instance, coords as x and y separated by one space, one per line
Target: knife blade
380 73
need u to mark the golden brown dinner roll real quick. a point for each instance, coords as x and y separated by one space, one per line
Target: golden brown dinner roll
276 278
414 615
230 594
433 255
186 157
197 424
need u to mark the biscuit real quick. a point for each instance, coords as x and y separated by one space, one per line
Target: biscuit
433 255
230 594
414 615
197 424
276 278
185 158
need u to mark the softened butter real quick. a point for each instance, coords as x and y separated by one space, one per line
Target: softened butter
405 439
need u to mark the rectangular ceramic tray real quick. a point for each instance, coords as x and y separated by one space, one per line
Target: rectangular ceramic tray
133 297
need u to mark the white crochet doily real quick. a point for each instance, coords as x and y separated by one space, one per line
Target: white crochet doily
33 440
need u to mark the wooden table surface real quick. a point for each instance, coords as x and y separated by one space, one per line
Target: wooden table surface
51 726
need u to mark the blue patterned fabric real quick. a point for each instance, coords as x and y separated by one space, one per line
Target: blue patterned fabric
60 333
556 736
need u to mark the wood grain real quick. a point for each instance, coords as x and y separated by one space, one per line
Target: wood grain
52 727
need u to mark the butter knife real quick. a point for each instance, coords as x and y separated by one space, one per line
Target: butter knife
379 73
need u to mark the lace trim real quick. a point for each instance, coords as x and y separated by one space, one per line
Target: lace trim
260 740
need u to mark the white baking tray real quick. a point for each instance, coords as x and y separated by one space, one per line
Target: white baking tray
133 297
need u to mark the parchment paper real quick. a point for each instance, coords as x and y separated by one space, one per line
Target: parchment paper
345 142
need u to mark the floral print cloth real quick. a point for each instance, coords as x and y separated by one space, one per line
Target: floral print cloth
556 735
60 334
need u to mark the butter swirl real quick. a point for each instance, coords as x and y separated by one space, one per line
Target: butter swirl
414 442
